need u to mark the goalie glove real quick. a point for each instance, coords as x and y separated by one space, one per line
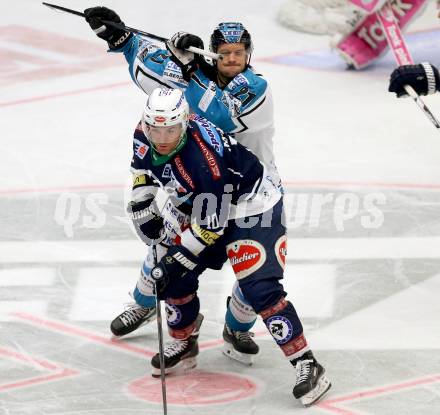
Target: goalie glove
187 61
116 38
424 78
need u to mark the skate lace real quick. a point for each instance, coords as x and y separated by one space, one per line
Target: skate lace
175 347
133 314
244 336
303 369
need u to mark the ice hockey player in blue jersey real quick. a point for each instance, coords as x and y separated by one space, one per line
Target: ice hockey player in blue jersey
235 211
228 93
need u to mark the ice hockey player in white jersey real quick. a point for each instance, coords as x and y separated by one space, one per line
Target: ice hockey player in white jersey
228 93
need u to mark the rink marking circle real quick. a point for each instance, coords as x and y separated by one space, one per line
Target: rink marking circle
195 388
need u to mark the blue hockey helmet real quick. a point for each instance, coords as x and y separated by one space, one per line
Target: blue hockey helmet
230 32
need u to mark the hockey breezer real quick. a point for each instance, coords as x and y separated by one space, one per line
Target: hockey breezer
123 27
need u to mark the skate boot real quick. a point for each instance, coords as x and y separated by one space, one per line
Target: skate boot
132 318
311 383
179 355
239 345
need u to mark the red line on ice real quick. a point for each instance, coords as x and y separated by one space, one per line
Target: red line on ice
62 94
79 332
328 404
60 372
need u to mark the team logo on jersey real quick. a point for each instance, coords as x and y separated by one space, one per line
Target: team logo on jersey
281 250
140 148
174 316
280 328
246 256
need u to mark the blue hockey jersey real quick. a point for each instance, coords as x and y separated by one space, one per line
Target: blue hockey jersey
212 177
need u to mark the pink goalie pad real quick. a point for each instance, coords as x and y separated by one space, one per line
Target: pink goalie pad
368 5
367 42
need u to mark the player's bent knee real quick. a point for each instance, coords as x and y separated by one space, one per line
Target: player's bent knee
261 293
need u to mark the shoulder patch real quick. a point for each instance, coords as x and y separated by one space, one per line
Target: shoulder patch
140 148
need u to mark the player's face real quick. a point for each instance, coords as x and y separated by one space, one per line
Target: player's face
234 59
165 139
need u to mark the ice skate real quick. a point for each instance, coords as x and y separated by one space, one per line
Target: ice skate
179 355
239 345
131 319
311 383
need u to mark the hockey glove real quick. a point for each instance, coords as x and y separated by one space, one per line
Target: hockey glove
147 221
424 78
187 61
176 263
116 38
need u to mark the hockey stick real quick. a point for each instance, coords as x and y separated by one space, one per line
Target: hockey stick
160 335
401 53
193 49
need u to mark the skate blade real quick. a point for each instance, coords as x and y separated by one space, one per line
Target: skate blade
180 368
244 358
321 388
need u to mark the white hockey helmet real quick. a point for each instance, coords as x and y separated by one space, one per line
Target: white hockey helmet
165 107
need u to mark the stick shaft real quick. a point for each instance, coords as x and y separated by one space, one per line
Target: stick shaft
160 336
133 30
63 9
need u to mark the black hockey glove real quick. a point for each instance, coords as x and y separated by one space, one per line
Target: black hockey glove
424 78
116 38
174 264
187 61
147 221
